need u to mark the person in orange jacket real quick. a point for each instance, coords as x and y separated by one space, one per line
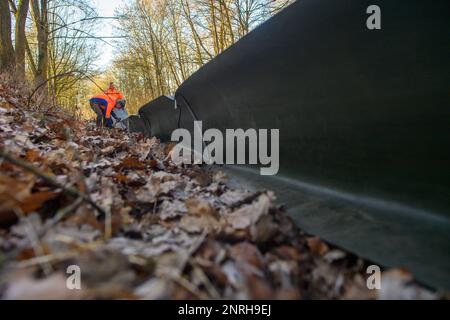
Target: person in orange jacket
103 105
120 105
114 93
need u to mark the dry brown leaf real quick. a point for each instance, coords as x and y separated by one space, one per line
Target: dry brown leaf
33 156
398 284
317 246
12 193
199 224
107 150
131 163
172 209
6 105
36 200
264 230
286 252
121 178
248 215
248 253
199 207
150 192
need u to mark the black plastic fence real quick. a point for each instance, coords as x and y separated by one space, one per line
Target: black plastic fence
363 115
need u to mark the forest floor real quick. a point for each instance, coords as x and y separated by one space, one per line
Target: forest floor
140 227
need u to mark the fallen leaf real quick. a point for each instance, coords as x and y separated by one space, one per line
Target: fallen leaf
172 209
317 246
397 284
107 150
248 215
132 164
199 224
52 288
199 207
248 253
36 200
32 156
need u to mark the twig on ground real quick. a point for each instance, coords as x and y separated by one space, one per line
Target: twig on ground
40 233
246 200
59 256
108 225
49 179
194 247
213 293
33 239
188 286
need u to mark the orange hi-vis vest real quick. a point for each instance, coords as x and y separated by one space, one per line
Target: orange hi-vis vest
111 103
113 93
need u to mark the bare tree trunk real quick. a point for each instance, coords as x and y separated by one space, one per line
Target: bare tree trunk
155 52
40 19
229 25
20 40
27 46
166 41
7 57
215 35
197 39
177 38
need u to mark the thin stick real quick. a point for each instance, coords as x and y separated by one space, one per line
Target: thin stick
40 233
59 256
49 179
189 286
33 239
212 291
194 247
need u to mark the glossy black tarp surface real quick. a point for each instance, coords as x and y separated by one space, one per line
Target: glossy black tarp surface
135 124
363 116
160 117
361 110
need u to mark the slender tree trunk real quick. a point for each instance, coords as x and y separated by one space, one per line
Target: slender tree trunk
229 25
40 18
27 46
155 54
197 39
7 56
20 40
215 35
177 39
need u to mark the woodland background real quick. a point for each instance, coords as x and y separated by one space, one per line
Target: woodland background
53 44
